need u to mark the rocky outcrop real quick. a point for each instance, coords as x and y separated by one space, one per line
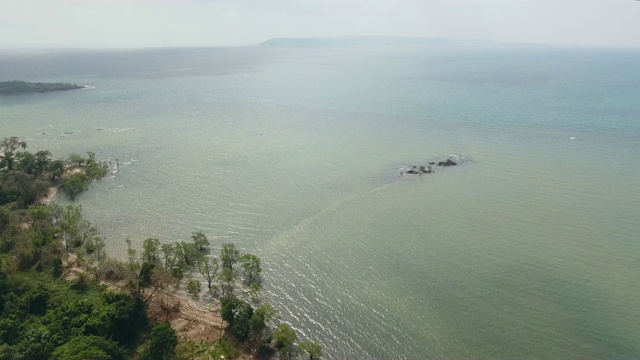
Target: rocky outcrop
428 169
449 162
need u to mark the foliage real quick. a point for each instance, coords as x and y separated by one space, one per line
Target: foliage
229 255
223 349
21 188
188 253
76 160
251 266
193 287
226 277
314 350
88 347
25 176
162 343
75 184
111 270
284 337
39 316
228 304
241 325
57 267
7 147
189 350
254 291
208 268
69 218
200 240
258 324
56 169
78 182
150 249
238 314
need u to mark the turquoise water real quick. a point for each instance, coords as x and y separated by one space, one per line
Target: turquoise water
531 250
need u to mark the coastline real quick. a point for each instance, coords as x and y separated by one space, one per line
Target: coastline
51 194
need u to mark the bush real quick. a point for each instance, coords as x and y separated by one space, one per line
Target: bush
88 347
223 350
112 270
57 267
284 337
75 184
194 287
162 343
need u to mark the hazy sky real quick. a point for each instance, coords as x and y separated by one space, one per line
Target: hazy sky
151 23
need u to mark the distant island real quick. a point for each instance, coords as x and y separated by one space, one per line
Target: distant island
362 40
16 87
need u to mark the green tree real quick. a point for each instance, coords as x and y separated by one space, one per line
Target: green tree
94 169
241 326
254 291
26 162
228 305
69 221
43 159
229 255
36 343
76 160
170 256
88 347
251 266
200 240
162 343
258 324
208 268
86 232
188 252
24 187
75 184
57 267
56 169
223 349
226 277
314 350
117 316
91 158
193 287
150 249
95 246
238 314
131 254
284 337
7 147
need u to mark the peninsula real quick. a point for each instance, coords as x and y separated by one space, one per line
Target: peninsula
16 87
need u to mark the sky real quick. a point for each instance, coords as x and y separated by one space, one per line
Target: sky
168 23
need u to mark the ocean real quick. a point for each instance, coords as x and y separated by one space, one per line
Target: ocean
528 250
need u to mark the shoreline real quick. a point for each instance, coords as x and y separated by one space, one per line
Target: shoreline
190 320
51 194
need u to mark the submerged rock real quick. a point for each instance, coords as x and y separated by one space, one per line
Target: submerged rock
428 169
449 162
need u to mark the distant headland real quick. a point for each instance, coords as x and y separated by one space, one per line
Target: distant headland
16 87
363 40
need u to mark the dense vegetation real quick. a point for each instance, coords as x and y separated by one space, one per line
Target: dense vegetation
52 263
16 87
26 177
